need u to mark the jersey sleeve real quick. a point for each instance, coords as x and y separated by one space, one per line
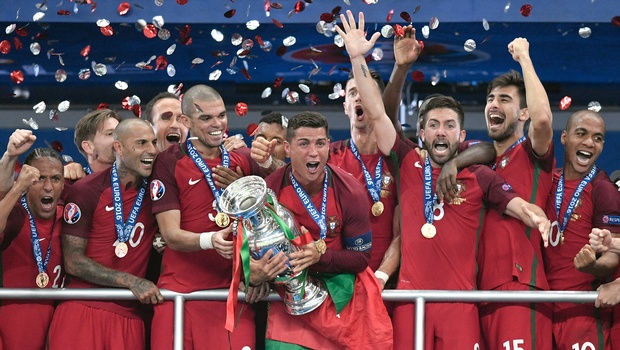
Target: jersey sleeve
497 192
546 160
163 188
606 213
14 224
80 209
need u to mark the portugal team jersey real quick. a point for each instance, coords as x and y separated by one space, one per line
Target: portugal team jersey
382 231
516 252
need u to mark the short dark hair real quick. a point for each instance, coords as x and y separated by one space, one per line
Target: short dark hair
272 118
42 152
512 78
375 75
306 119
443 102
88 125
149 106
199 92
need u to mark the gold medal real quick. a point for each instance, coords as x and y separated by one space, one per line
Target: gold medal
42 280
320 246
561 237
428 230
377 208
121 249
222 220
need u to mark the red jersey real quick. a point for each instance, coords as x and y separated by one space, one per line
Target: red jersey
178 184
516 252
347 215
89 214
382 232
603 213
446 261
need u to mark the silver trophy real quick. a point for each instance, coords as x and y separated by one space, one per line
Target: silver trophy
246 201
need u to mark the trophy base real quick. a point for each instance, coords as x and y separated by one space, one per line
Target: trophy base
315 294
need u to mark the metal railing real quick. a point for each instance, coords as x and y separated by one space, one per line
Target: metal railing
420 297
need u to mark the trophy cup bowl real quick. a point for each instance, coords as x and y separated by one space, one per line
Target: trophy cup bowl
245 200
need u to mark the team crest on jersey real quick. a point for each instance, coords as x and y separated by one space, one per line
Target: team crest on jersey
333 224
506 187
504 162
72 213
611 219
386 181
157 190
460 188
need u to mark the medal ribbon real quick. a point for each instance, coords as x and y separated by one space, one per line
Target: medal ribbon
123 230
509 148
34 235
373 185
88 170
429 197
200 163
310 208
559 197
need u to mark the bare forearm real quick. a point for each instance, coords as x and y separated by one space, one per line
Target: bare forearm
7 172
604 266
541 128
392 95
480 153
391 259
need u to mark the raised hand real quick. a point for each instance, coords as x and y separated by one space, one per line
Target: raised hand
406 48
354 36
262 149
519 49
600 240
19 142
28 176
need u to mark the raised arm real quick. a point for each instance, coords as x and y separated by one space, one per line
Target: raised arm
406 51
79 265
27 177
186 241
391 259
19 142
357 46
541 127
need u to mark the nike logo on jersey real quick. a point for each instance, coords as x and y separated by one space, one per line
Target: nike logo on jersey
417 165
107 208
193 182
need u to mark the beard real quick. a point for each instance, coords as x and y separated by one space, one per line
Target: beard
451 148
505 134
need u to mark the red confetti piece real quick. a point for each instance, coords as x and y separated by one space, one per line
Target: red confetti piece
485 39
336 11
137 110
217 63
125 103
161 62
277 23
181 2
405 15
187 41
241 109
107 30
230 13
245 73
417 76
17 43
5 47
312 100
251 129
616 21
299 6
56 146
565 103
327 17
417 9
267 6
123 8
103 105
281 50
17 76
398 30
150 31
331 70
21 32
421 45
276 5
41 36
85 51
390 15
63 13
526 10
278 82
259 40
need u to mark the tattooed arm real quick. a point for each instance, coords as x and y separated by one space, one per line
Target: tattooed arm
79 265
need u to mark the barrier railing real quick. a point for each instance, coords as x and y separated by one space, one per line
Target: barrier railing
420 297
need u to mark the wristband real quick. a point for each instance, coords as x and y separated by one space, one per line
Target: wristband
205 240
267 163
382 276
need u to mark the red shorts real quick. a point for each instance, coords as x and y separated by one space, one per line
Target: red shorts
511 326
615 328
24 324
79 326
203 326
446 326
582 327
